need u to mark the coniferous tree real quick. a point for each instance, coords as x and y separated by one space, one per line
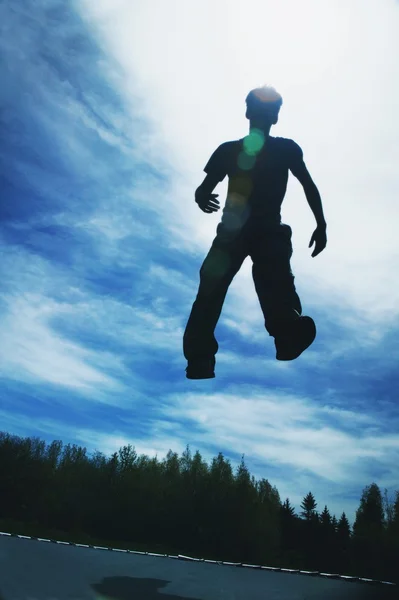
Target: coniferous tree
325 519
326 527
368 532
370 514
243 503
334 523
310 532
340 545
290 535
287 509
324 540
308 506
183 502
343 529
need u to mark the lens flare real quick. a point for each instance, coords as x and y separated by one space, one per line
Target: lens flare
240 188
217 264
254 142
245 161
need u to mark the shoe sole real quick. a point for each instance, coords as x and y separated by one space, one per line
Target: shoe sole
307 340
200 376
201 370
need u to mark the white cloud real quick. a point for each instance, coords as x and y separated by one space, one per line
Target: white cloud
184 77
294 427
32 351
339 104
108 443
295 436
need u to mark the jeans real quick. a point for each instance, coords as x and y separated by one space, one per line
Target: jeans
270 249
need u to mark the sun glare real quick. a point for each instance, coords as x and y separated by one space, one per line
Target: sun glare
288 41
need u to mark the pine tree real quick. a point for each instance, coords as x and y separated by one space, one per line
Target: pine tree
324 539
309 507
244 503
325 519
343 530
368 533
370 514
287 510
290 535
334 523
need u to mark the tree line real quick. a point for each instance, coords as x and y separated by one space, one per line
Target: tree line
192 507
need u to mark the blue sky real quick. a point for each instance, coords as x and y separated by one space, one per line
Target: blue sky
108 116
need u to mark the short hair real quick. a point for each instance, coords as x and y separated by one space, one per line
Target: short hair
263 101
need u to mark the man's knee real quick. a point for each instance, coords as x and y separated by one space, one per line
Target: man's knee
273 274
217 264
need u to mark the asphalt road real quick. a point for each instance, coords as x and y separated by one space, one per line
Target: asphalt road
39 570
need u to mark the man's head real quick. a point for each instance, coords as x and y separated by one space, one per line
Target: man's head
263 105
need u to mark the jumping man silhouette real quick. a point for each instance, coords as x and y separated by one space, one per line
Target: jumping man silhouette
257 166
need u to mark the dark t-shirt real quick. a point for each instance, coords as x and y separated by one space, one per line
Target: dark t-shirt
257 181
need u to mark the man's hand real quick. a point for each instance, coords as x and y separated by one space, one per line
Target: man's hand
206 201
319 238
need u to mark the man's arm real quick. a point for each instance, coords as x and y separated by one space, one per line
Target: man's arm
204 197
319 237
216 170
311 192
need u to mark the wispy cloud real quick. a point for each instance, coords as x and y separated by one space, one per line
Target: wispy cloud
104 140
338 449
32 350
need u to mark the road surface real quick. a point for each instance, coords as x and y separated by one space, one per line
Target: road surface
41 570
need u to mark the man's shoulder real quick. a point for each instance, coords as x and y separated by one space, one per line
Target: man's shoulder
232 144
228 150
290 148
287 142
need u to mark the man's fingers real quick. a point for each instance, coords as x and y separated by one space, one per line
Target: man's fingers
319 248
209 204
318 238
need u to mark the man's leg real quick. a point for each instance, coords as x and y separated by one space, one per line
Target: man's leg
217 272
274 283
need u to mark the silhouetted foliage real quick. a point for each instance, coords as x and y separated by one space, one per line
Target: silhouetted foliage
308 506
343 530
370 514
187 505
334 523
374 546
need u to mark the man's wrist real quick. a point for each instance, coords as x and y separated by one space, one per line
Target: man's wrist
199 193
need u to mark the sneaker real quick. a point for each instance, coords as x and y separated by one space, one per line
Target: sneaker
201 368
300 337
